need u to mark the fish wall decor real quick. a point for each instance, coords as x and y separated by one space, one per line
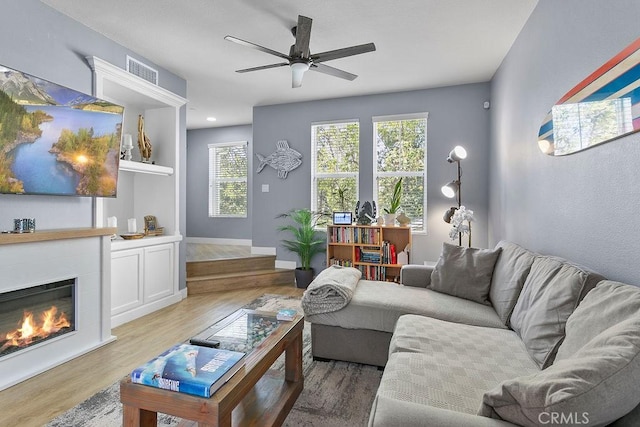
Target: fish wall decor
284 159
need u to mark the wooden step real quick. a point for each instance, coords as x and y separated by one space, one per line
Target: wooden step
230 265
240 280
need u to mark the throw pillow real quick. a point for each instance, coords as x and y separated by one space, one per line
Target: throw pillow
551 292
596 386
607 304
509 275
464 272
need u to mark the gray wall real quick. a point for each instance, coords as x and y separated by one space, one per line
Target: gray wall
198 222
38 40
582 206
456 116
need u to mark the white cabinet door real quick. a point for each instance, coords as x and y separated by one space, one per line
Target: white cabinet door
158 272
126 280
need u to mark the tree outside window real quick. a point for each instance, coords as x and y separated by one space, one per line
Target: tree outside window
401 151
335 151
228 169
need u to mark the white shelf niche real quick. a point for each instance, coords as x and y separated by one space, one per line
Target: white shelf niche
139 167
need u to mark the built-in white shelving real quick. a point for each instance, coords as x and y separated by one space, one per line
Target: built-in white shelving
144 272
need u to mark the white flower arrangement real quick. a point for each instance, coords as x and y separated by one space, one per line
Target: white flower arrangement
460 222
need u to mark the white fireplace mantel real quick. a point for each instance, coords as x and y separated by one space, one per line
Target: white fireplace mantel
31 259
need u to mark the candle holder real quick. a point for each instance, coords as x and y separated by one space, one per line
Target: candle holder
127 144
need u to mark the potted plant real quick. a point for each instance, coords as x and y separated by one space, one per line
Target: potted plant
390 214
306 241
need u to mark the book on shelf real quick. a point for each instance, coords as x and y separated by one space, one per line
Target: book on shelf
286 314
190 369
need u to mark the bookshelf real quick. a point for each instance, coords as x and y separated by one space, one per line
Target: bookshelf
370 248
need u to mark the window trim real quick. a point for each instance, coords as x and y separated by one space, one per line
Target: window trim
423 173
212 202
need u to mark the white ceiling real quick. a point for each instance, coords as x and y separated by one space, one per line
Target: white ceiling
420 44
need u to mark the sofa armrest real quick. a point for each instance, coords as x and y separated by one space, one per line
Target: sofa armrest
392 412
415 275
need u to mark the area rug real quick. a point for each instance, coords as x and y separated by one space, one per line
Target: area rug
335 394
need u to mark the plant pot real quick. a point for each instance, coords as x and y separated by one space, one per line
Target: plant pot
390 220
303 277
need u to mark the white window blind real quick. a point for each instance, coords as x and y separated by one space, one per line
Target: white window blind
400 151
334 170
228 170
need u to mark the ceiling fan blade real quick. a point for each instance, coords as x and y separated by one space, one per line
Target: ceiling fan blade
257 47
341 53
303 35
332 71
262 67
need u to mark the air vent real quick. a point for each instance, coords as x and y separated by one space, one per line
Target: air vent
141 70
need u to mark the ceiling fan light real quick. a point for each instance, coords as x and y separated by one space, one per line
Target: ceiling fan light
297 71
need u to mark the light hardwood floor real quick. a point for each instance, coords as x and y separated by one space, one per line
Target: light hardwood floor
38 400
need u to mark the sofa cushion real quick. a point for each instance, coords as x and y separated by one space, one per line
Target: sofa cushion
598 384
387 412
613 302
464 272
450 365
511 270
551 292
378 305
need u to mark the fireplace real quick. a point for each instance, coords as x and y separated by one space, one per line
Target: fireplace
36 314
68 269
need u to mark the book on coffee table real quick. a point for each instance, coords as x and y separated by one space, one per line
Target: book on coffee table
287 314
191 369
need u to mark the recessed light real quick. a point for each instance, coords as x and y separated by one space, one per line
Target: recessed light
211 119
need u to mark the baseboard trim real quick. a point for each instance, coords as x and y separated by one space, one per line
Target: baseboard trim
219 241
289 265
262 250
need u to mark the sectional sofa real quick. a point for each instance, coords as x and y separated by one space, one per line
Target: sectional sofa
492 338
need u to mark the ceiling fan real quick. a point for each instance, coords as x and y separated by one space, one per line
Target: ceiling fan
300 58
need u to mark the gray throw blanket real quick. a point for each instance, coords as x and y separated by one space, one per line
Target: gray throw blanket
331 290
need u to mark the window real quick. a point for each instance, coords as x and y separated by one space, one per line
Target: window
228 179
334 169
400 151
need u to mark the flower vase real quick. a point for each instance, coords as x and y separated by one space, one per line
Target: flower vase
390 220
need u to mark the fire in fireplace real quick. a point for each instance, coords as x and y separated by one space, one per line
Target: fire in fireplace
32 315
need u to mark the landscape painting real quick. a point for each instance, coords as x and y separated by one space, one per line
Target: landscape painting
55 140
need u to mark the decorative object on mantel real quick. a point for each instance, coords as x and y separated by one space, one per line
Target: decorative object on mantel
127 145
284 159
112 222
459 217
366 213
151 226
24 225
144 143
132 226
601 108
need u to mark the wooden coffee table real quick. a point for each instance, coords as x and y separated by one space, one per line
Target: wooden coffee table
254 393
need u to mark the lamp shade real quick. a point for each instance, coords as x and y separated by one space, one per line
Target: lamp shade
449 214
458 153
297 71
450 189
